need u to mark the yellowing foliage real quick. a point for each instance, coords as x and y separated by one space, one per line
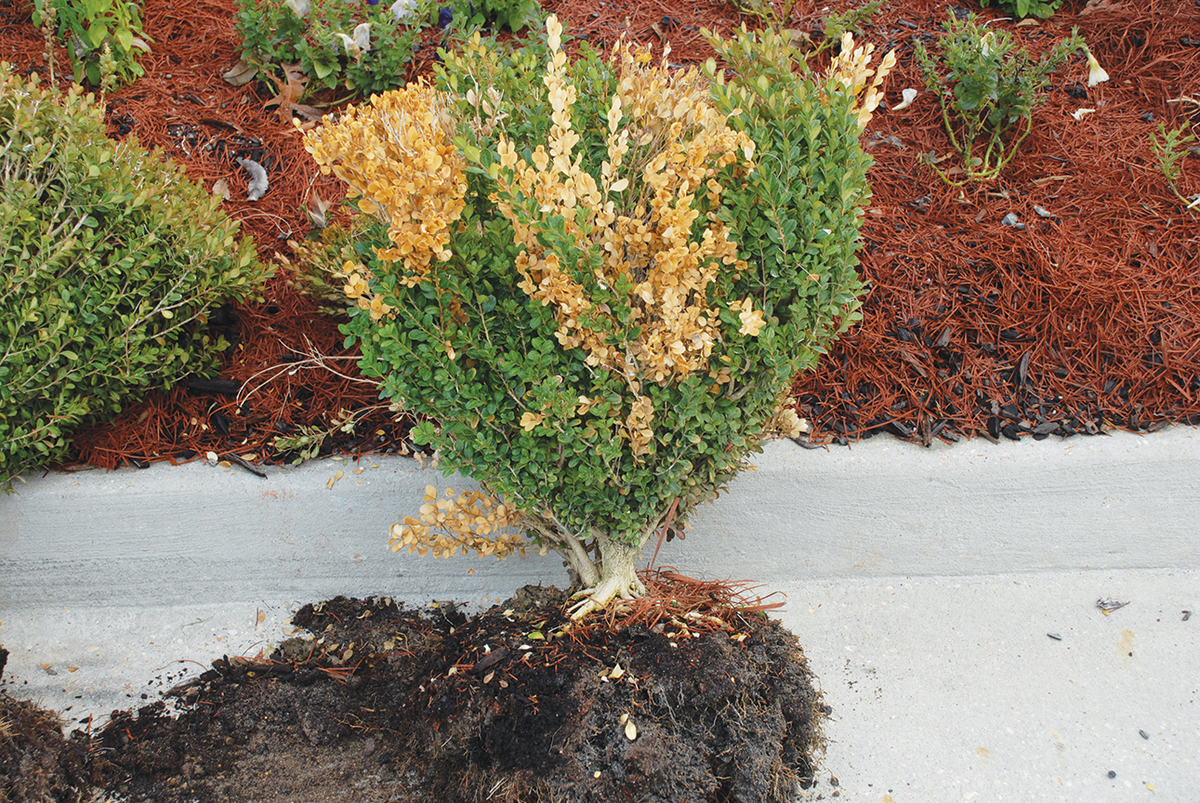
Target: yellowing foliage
850 67
665 145
461 523
396 152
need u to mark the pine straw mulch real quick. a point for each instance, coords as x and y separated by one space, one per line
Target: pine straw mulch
691 694
1086 320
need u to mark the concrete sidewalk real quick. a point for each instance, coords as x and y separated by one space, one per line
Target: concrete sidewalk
922 582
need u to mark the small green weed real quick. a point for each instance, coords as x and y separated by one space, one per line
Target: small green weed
1168 151
90 27
1042 9
992 86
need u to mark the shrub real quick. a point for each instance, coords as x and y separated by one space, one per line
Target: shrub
992 86
363 48
93 27
111 259
600 291
1042 9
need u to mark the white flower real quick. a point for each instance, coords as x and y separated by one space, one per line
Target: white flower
362 36
299 7
359 43
909 95
404 10
1078 114
1096 73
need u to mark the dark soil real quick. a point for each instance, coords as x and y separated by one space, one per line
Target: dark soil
383 703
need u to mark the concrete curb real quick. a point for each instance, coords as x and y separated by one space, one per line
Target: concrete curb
921 581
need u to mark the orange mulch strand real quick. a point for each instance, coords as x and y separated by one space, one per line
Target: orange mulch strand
681 605
1087 318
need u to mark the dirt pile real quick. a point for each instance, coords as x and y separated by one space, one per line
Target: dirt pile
389 703
37 763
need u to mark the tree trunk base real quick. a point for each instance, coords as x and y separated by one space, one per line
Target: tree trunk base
618 579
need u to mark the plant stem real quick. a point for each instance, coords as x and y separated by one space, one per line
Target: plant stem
618 577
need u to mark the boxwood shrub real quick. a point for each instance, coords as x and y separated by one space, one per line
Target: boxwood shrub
110 259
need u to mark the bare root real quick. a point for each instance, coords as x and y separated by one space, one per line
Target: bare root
618 579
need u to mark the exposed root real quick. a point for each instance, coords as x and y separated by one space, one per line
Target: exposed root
618 579
597 597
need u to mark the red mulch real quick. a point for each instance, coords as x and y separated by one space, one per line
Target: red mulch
1088 319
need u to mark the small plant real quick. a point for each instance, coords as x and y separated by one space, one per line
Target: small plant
110 259
834 26
992 87
600 279
93 27
363 48
1042 9
1167 152
515 15
356 46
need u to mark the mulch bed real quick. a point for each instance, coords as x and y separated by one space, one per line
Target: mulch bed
1085 320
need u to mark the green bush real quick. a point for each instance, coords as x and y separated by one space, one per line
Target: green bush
1042 9
110 259
91 26
992 87
336 43
600 280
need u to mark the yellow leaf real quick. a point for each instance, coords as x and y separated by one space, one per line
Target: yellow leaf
630 730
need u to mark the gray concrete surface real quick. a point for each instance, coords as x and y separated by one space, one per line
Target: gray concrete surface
922 582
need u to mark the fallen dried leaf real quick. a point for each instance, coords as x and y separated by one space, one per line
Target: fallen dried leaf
317 209
240 74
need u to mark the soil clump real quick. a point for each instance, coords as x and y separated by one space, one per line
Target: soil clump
380 702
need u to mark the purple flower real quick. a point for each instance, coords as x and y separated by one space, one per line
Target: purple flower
445 17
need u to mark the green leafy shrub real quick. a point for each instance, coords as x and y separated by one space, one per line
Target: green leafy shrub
91 26
992 86
599 280
110 259
1042 9
467 15
360 47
